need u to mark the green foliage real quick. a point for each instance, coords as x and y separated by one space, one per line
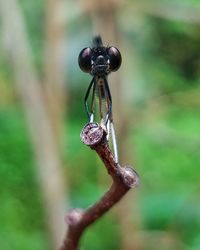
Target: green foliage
92 240
20 208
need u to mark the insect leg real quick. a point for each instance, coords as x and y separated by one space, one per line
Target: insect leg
89 114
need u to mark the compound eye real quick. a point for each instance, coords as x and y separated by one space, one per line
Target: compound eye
84 59
115 58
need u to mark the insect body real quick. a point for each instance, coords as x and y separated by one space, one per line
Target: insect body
99 61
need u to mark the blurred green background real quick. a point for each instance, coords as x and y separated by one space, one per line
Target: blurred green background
45 169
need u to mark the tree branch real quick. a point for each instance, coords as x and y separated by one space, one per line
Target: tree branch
124 178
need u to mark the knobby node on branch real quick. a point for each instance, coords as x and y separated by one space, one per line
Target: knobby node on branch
124 178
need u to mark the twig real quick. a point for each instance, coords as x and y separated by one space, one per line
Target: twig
124 178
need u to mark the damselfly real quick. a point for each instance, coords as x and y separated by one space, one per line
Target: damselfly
99 61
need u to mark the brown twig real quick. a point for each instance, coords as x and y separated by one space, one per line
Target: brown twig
124 178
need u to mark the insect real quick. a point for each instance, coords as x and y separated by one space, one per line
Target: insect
99 61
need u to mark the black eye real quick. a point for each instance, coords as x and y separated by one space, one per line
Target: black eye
84 59
115 58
